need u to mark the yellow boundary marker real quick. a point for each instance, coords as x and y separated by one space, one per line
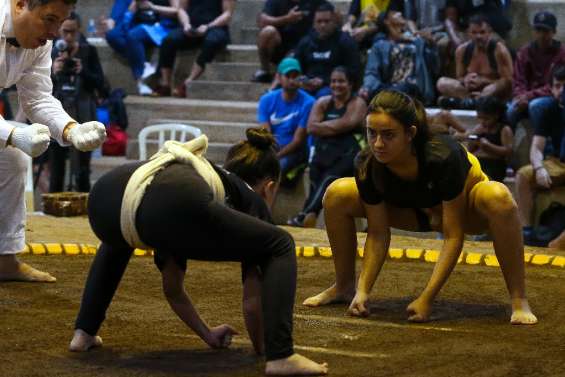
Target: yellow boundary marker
408 254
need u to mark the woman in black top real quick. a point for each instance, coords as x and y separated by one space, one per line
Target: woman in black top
178 209
204 24
336 124
409 181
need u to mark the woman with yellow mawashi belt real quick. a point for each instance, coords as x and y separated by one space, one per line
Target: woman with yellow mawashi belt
408 180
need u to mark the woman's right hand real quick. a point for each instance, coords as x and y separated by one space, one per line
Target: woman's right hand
358 306
220 336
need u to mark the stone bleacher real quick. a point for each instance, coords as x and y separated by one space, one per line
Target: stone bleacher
223 102
224 98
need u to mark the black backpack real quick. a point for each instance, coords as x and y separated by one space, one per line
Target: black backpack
551 223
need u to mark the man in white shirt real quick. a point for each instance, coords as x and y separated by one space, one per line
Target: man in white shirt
26 30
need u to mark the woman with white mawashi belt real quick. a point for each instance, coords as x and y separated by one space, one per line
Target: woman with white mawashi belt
184 207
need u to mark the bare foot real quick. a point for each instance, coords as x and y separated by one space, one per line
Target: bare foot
82 341
295 365
19 271
521 313
419 310
330 296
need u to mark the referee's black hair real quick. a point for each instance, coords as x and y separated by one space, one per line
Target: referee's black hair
254 159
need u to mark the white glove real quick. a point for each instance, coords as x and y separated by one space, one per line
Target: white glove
32 140
87 136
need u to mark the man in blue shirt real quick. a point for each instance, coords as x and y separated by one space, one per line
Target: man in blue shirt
285 113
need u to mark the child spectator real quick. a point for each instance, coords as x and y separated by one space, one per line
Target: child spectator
491 139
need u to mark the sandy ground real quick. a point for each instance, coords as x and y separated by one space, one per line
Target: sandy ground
469 334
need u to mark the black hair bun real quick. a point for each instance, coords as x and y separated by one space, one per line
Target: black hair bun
260 138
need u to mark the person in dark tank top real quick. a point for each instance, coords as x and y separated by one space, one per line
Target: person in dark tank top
335 124
491 140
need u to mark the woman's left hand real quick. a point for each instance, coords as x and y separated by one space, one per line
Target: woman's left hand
419 310
220 336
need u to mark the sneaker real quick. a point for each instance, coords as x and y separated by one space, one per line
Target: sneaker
180 91
148 70
143 89
297 221
262 76
162 91
468 104
449 103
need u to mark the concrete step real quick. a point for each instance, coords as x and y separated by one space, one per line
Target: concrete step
226 90
141 109
246 35
230 71
118 72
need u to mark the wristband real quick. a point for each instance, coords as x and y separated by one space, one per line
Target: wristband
538 168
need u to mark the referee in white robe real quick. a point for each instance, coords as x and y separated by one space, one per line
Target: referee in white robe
26 30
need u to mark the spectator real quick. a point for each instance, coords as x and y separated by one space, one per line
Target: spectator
283 23
336 124
77 75
400 60
362 20
532 69
491 139
483 68
458 14
544 172
323 49
146 23
203 23
285 113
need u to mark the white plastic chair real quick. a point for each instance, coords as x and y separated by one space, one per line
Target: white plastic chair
176 131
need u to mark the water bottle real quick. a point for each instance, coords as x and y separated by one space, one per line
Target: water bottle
91 29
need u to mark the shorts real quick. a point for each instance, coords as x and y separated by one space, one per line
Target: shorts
554 167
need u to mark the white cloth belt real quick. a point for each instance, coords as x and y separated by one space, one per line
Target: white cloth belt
188 153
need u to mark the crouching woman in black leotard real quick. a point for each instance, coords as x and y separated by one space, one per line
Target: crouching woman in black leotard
200 211
408 180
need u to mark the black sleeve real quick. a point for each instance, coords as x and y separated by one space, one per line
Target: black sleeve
272 8
300 53
351 55
452 174
92 73
366 186
355 9
397 6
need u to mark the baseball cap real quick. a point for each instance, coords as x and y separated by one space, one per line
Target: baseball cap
287 65
545 20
